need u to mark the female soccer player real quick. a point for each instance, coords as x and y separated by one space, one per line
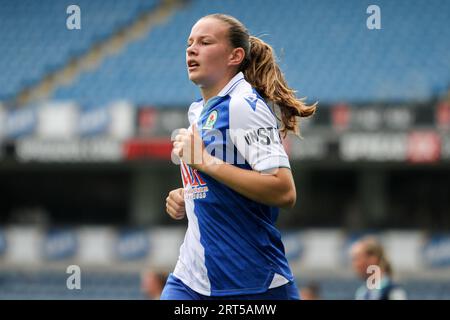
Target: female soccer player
234 186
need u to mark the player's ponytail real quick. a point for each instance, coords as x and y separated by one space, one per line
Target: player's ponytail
264 74
261 70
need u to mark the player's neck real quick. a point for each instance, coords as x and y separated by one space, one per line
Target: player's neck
209 92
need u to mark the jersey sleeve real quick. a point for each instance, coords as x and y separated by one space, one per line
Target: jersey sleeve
254 132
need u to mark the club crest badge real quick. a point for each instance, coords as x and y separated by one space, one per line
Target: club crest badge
211 120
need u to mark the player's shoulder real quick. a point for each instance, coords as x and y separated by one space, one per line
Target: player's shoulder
397 294
246 100
196 103
194 110
249 107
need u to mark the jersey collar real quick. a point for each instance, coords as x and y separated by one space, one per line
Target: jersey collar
231 85
225 91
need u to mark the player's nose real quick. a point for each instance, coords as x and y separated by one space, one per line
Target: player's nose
192 50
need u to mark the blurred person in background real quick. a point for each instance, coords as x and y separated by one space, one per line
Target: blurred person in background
367 252
232 249
311 291
152 283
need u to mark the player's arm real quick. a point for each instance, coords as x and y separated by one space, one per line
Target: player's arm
270 182
274 187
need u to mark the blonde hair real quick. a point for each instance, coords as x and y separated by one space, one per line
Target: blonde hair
372 247
261 70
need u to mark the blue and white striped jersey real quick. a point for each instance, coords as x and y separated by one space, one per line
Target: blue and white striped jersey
231 245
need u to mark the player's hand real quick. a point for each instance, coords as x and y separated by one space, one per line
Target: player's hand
175 204
189 146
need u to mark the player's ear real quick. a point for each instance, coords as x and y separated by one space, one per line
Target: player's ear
236 57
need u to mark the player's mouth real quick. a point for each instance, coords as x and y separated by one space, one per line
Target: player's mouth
192 65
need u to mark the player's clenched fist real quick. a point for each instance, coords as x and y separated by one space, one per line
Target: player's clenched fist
175 204
188 145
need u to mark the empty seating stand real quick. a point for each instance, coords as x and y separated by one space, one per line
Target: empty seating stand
34 38
324 47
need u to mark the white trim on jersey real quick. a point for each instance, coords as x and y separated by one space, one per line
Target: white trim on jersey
191 268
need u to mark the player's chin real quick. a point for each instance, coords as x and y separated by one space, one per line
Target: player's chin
195 76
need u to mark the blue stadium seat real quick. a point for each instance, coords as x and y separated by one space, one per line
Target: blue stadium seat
34 39
324 48
126 285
